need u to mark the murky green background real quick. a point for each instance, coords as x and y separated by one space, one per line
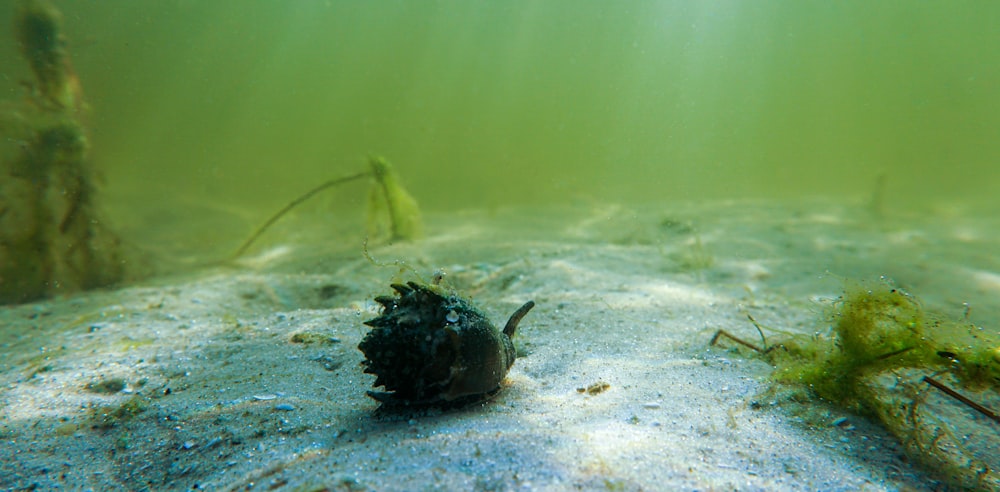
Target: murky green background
239 105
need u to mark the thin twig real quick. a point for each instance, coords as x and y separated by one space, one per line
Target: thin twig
894 353
956 395
759 330
724 333
274 218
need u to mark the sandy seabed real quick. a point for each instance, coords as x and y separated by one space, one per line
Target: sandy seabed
247 376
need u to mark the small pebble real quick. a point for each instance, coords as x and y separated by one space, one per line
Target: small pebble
287 407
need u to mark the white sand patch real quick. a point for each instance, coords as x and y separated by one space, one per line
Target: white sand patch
250 380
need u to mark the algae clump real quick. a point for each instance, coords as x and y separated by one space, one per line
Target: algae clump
389 199
890 359
110 416
876 327
879 328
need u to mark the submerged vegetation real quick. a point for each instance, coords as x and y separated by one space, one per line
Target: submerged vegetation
885 344
392 211
878 328
52 236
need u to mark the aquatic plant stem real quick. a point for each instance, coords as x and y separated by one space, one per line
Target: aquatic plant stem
723 333
958 396
309 194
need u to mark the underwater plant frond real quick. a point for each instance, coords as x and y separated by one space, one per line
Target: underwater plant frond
405 222
39 31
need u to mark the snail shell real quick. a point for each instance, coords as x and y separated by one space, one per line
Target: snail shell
430 348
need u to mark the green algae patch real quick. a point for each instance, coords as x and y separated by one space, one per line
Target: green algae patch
875 327
929 379
110 416
879 328
313 337
106 386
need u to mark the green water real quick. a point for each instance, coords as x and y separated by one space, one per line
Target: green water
208 115
243 104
